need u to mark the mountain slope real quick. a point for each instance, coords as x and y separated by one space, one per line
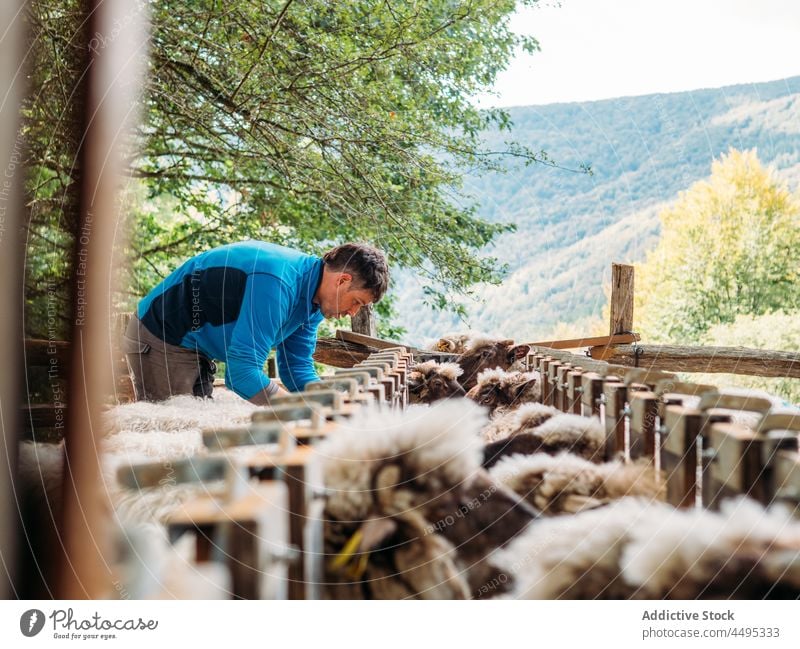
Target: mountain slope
571 226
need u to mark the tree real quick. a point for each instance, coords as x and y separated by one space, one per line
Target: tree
729 246
302 123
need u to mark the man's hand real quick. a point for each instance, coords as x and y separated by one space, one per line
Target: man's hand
261 398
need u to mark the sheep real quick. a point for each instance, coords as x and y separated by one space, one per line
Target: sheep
488 353
566 483
501 391
431 381
525 418
410 513
180 413
454 343
639 549
582 436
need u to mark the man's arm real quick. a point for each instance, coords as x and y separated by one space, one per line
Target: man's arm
295 362
264 309
261 398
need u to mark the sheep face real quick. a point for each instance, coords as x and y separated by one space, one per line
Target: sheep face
488 354
505 390
410 512
431 381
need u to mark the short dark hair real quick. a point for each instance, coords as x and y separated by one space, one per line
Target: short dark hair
365 263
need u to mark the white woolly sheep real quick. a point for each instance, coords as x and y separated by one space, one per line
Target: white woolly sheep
637 549
522 419
566 483
582 436
410 512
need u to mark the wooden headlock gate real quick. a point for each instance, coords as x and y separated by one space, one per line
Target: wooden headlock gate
693 432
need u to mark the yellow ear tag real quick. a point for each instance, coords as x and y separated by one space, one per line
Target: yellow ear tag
344 557
357 570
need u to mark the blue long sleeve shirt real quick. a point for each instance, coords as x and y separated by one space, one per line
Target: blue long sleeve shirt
237 302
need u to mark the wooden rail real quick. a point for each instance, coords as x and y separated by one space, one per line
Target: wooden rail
727 360
594 341
349 348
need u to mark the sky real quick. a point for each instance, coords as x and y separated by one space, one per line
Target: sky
598 49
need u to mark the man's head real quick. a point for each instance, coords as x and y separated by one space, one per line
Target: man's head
355 274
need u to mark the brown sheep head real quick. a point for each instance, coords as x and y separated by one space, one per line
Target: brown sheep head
486 353
431 381
410 513
501 390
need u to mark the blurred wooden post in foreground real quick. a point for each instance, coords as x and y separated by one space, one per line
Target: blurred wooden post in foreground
12 73
114 54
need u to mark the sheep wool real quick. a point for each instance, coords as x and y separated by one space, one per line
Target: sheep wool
440 444
410 512
640 549
454 343
180 413
567 483
527 417
448 370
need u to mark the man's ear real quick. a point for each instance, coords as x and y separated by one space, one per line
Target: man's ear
344 277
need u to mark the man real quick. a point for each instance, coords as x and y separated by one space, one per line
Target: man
237 302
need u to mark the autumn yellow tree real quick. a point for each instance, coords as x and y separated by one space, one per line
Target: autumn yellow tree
729 246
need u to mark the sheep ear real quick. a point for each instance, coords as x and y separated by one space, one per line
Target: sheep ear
519 388
374 531
518 352
385 483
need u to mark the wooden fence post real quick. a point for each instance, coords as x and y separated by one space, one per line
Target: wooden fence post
621 298
363 322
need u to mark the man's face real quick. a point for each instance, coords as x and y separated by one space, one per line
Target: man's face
339 298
